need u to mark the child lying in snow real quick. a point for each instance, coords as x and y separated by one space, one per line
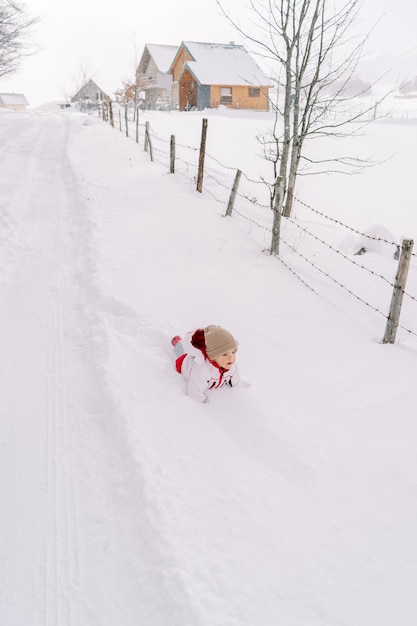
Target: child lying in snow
207 360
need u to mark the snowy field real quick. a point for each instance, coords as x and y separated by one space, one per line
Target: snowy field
288 502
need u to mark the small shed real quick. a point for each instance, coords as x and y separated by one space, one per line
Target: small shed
153 76
208 75
13 101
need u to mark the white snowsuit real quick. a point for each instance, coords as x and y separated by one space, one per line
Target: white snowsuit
201 374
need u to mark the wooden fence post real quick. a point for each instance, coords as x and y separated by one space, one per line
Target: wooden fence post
202 155
277 209
148 142
145 147
398 293
150 147
126 124
137 124
120 121
233 193
172 155
111 113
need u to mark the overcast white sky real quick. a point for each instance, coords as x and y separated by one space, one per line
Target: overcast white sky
102 36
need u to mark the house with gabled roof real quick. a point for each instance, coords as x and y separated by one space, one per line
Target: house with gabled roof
13 101
208 75
90 92
153 77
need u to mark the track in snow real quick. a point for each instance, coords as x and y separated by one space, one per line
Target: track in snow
76 549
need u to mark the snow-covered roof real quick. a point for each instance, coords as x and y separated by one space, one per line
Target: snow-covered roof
223 64
13 98
162 55
90 89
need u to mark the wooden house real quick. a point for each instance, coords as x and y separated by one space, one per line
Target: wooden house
153 77
90 92
13 101
208 75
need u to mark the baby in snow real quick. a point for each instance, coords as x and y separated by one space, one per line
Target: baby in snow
207 360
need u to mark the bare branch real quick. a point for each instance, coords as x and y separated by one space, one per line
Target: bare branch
16 30
315 59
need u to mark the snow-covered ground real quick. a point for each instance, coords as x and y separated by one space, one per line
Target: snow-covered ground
290 501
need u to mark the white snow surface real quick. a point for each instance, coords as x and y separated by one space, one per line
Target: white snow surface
162 55
290 501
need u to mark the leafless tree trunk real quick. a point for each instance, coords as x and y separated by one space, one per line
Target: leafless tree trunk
135 90
86 72
16 30
315 56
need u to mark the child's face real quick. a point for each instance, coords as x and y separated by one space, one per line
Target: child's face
227 359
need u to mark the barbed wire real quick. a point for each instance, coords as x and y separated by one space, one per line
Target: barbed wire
181 145
255 182
302 256
184 161
344 256
168 141
295 273
376 310
226 167
268 229
413 298
253 201
336 221
219 182
249 219
234 169
160 139
213 196
186 175
154 149
302 228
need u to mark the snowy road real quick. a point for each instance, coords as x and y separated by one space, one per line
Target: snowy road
64 522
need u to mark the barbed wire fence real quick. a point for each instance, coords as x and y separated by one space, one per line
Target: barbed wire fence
250 201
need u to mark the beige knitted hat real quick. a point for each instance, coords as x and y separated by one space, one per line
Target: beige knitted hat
218 340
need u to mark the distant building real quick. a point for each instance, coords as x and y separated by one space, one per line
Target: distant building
153 77
208 75
89 96
13 101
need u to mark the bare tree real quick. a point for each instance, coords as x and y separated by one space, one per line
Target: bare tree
85 73
315 57
16 29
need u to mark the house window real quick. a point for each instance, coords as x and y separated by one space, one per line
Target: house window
226 95
254 92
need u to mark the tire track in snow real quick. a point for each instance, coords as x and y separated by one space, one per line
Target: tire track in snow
62 548
33 395
21 338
